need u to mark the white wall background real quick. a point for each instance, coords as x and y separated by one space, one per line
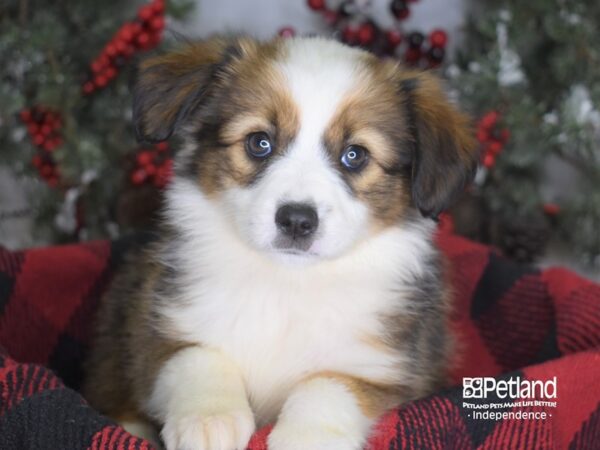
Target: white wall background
263 18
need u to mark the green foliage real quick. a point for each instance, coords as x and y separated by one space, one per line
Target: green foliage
46 49
538 64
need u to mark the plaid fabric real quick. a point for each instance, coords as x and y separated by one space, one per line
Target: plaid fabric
511 321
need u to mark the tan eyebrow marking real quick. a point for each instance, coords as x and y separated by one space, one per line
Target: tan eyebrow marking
240 126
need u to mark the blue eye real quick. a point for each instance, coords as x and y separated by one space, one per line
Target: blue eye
259 145
354 157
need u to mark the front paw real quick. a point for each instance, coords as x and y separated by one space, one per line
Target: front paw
323 437
228 431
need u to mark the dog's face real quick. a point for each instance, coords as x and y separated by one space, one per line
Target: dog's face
307 145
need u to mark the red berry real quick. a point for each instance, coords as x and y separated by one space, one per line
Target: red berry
138 176
39 139
489 160
45 129
551 209
121 46
482 135
495 147
25 115
366 33
103 60
88 87
163 174
438 38
96 66
110 72
111 50
162 146
489 120
32 128
394 38
136 28
399 9
316 5
150 170
48 117
126 33
143 40
146 13
47 170
331 17
101 81
36 161
144 158
157 23
158 6
287 32
52 181
49 145
412 55
129 51
505 135
350 35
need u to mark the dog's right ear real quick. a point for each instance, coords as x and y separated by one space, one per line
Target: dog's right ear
169 87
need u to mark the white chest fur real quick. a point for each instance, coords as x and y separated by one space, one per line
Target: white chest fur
281 323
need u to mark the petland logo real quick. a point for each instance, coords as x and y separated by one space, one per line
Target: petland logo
513 388
519 399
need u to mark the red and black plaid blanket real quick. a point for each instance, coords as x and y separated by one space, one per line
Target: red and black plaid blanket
512 321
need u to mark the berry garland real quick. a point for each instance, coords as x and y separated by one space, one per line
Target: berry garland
142 34
44 128
44 124
355 27
153 165
491 137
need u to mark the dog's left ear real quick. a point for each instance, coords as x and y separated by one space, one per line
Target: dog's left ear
444 156
169 87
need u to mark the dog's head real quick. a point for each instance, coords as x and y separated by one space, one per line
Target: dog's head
307 145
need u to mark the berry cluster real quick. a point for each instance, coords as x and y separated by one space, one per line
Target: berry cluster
144 33
492 137
430 54
44 125
356 28
551 209
153 165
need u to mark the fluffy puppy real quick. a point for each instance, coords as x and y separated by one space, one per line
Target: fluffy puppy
295 279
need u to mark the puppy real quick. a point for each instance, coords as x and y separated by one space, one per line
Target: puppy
294 280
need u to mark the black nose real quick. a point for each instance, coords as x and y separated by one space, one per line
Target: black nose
297 219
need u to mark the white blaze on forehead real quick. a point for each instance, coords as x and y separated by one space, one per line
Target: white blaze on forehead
319 73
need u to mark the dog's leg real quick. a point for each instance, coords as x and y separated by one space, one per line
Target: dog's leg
199 395
143 430
329 411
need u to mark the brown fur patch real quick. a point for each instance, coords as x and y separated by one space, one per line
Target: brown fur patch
129 342
370 117
445 151
169 86
421 148
212 89
253 97
373 398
